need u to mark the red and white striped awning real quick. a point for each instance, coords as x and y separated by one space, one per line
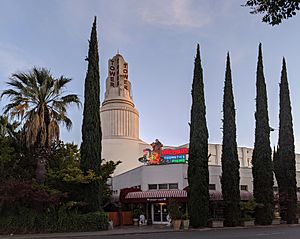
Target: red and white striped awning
163 195
213 194
157 194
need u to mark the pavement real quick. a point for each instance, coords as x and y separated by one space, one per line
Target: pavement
122 230
131 230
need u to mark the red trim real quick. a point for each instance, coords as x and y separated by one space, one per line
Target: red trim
130 195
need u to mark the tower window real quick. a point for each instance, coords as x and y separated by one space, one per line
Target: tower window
212 186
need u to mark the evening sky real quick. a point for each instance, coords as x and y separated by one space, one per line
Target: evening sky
158 39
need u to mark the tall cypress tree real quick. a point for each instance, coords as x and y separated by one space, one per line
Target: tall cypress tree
285 165
262 156
91 128
198 176
230 164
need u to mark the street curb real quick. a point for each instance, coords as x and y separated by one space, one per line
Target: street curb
82 234
132 232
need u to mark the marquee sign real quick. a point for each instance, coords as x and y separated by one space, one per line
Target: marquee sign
158 156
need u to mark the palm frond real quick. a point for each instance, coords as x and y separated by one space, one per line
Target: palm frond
70 99
67 122
62 81
10 93
32 128
53 132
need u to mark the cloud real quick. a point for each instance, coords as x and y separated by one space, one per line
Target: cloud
178 13
11 59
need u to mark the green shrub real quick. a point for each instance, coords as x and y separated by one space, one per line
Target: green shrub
29 221
174 209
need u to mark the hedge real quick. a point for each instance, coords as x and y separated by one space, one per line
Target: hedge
29 221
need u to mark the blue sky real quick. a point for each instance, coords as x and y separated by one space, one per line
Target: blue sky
158 39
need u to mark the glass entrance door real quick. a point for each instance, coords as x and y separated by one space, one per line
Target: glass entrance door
164 212
159 213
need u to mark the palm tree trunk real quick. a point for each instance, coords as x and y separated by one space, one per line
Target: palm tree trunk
41 156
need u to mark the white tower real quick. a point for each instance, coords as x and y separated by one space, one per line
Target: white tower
120 118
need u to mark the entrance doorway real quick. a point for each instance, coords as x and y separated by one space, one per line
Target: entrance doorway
159 213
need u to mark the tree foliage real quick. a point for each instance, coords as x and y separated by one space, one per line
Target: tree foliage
230 164
91 127
262 169
16 161
275 11
65 175
38 100
285 165
198 175
15 195
7 128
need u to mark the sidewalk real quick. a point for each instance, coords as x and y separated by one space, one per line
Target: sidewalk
116 231
125 230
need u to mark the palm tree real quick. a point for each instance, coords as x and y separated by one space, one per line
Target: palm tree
40 102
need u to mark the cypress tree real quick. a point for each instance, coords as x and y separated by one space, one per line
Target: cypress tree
230 164
262 155
285 165
198 176
91 128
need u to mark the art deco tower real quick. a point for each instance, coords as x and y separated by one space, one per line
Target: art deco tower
118 114
120 118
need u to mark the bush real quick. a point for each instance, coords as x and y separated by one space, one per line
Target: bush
29 221
15 195
248 209
137 212
174 209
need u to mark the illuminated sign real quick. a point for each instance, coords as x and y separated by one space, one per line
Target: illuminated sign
166 156
175 151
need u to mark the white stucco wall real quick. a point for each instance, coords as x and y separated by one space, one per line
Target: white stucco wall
175 173
126 150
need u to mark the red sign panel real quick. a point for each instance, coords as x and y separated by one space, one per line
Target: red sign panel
174 151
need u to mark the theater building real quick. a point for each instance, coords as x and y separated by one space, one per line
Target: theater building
150 174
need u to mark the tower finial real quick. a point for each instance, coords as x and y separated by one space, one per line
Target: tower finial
118 51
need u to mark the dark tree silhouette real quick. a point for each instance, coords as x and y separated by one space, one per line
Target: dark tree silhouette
262 169
275 11
91 127
284 162
198 176
230 164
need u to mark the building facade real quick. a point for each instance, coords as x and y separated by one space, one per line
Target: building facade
150 186
148 180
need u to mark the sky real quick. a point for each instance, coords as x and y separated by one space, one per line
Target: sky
158 40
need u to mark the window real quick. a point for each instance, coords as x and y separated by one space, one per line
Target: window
244 187
298 189
173 185
212 186
137 187
152 186
275 189
163 186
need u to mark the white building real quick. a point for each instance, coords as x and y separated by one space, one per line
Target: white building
150 186
120 119
154 183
